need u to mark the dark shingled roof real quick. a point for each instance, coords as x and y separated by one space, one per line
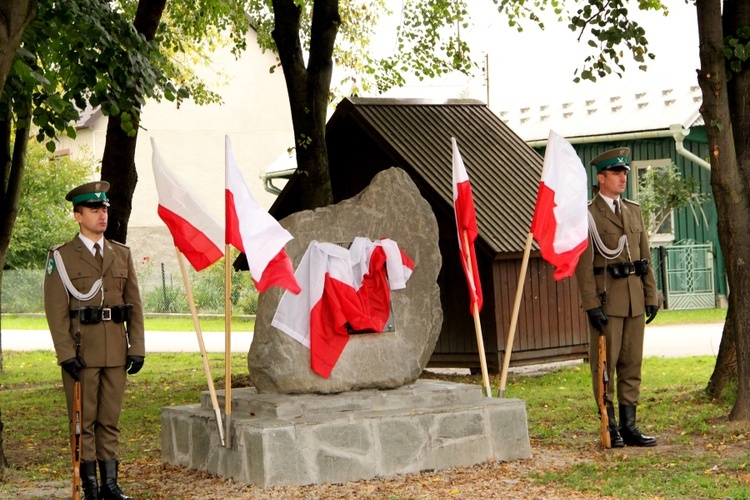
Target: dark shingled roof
416 135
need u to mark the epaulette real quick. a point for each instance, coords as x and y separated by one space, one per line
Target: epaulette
119 244
590 202
56 247
631 202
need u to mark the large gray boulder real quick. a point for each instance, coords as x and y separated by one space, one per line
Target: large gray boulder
390 207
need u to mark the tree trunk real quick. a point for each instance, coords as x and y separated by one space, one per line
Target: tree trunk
3 460
15 15
13 166
308 90
118 168
730 190
13 163
736 17
118 160
725 369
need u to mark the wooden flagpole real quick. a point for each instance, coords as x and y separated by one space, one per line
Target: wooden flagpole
227 347
514 316
477 323
201 344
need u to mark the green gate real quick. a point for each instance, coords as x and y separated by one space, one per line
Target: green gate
690 276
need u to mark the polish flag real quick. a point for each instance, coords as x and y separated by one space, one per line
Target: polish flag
344 290
466 223
196 233
254 232
560 224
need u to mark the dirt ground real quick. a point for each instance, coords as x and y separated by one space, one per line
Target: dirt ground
492 480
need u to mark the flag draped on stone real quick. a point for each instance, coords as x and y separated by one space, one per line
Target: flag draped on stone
195 231
345 290
560 224
253 231
466 223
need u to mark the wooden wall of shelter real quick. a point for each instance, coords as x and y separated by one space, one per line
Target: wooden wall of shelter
365 136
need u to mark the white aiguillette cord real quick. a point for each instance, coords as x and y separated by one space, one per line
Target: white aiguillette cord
69 285
608 254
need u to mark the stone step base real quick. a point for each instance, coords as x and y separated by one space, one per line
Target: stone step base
294 440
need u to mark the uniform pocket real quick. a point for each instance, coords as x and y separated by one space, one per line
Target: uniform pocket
610 239
82 279
120 275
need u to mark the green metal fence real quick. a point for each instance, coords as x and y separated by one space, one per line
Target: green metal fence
162 290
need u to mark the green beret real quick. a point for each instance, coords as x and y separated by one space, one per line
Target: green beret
614 159
91 194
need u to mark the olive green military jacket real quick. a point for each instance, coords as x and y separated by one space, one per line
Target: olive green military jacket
625 296
106 343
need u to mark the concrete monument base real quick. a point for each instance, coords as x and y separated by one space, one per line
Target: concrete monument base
294 440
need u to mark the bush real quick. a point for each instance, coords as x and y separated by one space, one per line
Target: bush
23 291
165 300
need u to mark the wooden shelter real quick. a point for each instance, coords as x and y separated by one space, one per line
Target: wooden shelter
365 136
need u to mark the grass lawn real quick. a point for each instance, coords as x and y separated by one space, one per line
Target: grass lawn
183 323
701 454
155 323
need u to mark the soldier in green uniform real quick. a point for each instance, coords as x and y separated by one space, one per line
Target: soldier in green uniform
617 286
95 316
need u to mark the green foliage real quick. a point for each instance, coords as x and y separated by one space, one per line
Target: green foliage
737 50
603 25
164 292
208 289
188 35
662 190
79 53
612 28
166 299
429 44
44 217
25 293
428 41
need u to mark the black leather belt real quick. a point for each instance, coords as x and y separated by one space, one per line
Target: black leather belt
625 269
91 315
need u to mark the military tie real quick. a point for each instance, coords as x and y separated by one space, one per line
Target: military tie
98 254
618 212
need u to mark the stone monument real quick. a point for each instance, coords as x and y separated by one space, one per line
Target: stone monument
371 417
390 207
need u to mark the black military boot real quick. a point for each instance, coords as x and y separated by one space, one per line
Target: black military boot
89 485
615 438
631 435
110 490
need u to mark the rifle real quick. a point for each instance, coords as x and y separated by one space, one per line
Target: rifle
77 441
602 379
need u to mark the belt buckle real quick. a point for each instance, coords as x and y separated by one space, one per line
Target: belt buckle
106 314
628 268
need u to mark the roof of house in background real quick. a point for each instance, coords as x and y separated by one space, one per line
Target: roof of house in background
606 113
416 135
88 116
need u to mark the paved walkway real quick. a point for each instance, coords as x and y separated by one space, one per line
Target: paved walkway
665 341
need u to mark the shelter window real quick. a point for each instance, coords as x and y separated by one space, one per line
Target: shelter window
665 233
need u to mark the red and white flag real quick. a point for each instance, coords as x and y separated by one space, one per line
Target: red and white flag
560 225
344 289
253 231
466 223
195 231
